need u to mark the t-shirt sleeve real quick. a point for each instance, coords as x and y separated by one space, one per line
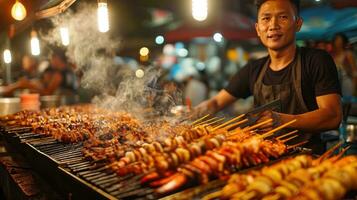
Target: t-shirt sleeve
325 75
238 85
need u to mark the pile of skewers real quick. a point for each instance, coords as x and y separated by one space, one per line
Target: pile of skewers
205 149
71 124
112 147
301 177
219 150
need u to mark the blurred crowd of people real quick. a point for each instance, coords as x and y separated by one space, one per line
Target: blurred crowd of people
54 76
342 52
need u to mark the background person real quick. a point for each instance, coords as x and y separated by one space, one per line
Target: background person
345 63
29 78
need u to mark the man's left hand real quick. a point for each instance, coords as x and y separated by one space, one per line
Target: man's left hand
269 114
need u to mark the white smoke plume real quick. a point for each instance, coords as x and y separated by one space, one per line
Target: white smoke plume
91 51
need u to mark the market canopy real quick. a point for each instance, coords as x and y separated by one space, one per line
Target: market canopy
321 23
232 26
36 9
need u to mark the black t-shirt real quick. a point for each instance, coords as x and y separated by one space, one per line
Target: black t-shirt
318 77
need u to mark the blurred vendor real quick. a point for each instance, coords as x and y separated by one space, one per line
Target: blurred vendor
59 78
29 78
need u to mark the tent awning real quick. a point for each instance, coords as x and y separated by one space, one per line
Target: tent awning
322 23
233 26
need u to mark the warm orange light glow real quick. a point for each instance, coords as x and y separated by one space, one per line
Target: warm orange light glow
144 51
144 58
18 11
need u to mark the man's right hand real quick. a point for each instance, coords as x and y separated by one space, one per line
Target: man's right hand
269 114
213 105
202 109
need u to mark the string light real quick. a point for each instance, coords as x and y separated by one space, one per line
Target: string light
139 73
144 51
199 9
35 44
159 39
218 37
7 56
103 18
18 11
64 35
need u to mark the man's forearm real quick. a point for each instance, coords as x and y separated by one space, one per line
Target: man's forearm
314 121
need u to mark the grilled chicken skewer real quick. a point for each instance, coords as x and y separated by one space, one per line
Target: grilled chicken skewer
286 178
219 161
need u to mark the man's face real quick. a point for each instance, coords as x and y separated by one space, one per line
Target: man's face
277 24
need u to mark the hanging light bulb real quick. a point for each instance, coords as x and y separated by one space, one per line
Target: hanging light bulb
64 36
35 44
7 56
199 9
103 18
18 11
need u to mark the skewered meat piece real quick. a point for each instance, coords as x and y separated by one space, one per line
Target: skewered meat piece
162 160
295 178
66 123
259 183
302 179
334 183
147 138
228 155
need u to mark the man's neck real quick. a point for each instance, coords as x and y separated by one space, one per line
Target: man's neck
281 58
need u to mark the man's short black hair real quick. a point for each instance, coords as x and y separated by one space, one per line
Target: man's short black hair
296 3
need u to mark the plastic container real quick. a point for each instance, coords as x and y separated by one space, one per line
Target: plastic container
30 101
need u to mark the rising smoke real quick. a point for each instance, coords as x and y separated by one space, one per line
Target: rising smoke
117 86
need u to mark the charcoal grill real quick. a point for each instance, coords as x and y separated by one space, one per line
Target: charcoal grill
65 167
77 178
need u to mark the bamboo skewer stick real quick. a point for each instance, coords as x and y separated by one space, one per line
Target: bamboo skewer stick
287 134
298 144
206 121
290 138
228 122
271 132
328 152
213 195
218 120
259 124
200 119
236 124
343 151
